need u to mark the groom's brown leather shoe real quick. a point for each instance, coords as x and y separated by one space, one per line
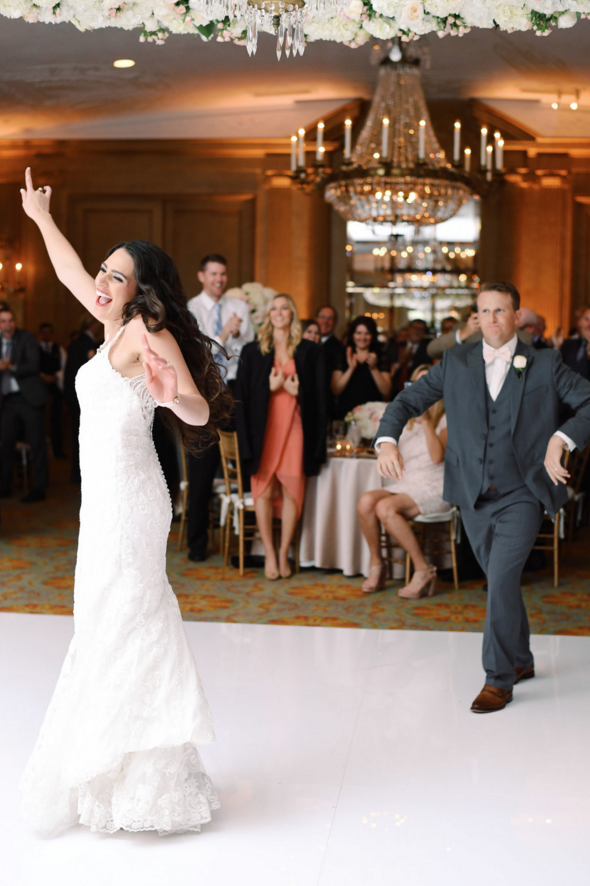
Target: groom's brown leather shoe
523 674
491 699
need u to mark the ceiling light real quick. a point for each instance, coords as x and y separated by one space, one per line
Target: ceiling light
555 105
574 104
123 63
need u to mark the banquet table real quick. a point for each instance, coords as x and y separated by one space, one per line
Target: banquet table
331 537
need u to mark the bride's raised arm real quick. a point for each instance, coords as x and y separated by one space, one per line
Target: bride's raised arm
64 258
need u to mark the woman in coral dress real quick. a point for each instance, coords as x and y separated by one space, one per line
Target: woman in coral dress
281 420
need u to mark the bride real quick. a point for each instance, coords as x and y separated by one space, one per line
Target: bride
118 747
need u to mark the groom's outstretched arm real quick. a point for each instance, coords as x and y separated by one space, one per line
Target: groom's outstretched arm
410 403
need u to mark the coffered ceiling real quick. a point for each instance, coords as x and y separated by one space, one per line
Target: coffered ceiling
56 82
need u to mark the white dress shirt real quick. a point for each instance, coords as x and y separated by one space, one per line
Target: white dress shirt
496 374
9 383
202 307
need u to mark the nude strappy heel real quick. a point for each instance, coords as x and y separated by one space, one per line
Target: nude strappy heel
423 584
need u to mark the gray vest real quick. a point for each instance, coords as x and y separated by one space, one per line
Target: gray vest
500 468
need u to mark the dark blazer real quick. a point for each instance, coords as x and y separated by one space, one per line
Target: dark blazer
252 394
535 399
78 355
333 350
26 358
404 373
573 351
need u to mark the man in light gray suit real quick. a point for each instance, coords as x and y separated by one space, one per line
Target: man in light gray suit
503 466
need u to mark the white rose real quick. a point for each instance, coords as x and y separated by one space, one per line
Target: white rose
512 18
355 10
443 8
411 15
567 20
386 7
478 14
382 28
519 362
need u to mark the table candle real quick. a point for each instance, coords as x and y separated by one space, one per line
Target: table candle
301 134
347 139
489 156
500 154
482 147
293 153
319 144
467 159
385 138
421 132
457 142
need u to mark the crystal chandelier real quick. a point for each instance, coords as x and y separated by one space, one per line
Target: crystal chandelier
284 18
397 171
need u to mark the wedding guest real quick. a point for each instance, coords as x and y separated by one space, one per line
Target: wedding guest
420 491
576 349
361 374
311 331
447 324
327 320
281 420
22 401
53 358
226 321
403 358
539 340
81 349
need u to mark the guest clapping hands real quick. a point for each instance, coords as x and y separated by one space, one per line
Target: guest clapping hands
281 420
360 377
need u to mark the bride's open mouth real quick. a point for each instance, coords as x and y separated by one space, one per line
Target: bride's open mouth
102 298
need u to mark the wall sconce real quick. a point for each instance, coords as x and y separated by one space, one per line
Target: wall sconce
11 277
574 104
555 104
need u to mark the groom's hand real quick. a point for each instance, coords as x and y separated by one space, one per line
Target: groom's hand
390 464
553 464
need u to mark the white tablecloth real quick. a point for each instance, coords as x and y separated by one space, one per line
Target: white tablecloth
331 537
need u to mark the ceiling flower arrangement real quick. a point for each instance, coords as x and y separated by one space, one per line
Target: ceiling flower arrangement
356 23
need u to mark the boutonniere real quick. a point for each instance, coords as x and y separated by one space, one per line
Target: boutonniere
519 364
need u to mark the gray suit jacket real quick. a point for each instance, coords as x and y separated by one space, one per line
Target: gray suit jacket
26 357
438 346
536 400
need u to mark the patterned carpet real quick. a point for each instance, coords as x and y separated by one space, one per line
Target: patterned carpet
38 550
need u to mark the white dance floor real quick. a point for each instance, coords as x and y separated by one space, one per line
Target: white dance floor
344 757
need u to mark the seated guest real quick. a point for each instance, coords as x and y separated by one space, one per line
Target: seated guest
576 349
402 358
327 318
422 444
52 363
360 375
311 331
22 401
281 421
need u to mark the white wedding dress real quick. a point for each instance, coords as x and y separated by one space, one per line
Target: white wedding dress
118 747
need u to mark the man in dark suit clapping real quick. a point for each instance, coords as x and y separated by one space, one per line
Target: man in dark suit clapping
22 399
503 468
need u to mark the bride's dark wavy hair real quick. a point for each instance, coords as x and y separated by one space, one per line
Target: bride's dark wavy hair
161 303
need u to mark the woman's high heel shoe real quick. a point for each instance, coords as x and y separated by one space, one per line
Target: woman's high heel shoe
375 580
423 584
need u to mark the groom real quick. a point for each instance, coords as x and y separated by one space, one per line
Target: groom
503 466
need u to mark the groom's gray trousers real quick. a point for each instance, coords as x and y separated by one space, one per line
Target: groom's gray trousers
502 529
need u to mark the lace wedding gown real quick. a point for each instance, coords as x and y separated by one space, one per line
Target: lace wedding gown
118 747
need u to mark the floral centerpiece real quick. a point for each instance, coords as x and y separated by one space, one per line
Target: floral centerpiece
361 20
258 298
368 416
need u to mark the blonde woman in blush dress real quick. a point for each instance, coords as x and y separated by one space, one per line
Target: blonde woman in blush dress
422 444
281 421
118 748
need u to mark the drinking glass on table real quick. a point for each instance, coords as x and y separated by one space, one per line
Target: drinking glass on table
354 434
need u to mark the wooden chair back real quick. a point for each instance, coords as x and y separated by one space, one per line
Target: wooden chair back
230 462
578 463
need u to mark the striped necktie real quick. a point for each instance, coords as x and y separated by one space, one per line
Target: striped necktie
217 330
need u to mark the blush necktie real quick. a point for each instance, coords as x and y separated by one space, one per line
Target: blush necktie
489 355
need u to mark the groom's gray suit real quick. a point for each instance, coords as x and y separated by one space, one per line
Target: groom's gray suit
494 472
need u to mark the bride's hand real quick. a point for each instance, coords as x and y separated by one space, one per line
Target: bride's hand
160 376
35 202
